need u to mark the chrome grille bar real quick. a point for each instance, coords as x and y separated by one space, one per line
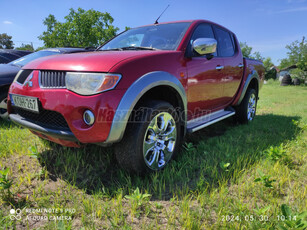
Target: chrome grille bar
52 79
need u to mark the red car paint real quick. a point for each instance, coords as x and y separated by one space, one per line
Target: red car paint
206 88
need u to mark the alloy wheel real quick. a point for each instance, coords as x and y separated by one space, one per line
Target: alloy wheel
159 141
251 107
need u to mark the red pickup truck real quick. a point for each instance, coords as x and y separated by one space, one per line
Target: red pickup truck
143 90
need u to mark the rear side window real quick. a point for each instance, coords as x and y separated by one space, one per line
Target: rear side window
202 31
224 42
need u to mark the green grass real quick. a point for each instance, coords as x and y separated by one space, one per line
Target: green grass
226 177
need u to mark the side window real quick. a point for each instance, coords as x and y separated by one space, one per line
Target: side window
224 43
202 31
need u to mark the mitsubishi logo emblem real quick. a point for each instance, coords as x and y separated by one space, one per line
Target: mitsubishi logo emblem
29 81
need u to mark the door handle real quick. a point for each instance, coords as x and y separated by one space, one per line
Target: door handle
219 67
240 65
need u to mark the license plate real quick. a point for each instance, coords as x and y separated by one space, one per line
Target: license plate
28 103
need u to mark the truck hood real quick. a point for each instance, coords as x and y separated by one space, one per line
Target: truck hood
99 61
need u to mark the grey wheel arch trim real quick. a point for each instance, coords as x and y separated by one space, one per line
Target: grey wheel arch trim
134 94
250 77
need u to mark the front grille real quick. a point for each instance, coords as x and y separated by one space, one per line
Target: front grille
23 75
44 118
52 79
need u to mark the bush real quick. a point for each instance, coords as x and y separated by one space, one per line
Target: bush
271 74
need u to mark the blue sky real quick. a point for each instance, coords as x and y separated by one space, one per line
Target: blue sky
266 25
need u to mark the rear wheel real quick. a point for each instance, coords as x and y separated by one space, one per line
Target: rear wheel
246 111
151 139
3 105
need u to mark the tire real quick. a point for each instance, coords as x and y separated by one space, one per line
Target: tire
151 140
246 111
286 80
296 81
3 105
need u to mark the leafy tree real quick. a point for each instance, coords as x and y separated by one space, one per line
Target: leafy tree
247 52
268 63
258 56
25 47
80 29
269 71
285 62
6 41
297 55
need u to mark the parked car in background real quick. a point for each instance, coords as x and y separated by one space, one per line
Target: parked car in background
7 55
8 71
143 90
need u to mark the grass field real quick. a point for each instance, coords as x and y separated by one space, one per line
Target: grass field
226 177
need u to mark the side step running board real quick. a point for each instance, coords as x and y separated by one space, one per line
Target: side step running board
209 119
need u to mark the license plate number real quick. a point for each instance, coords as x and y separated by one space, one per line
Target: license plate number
28 103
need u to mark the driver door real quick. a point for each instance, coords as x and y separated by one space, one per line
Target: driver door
205 90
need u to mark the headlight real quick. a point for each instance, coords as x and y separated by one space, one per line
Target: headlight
91 83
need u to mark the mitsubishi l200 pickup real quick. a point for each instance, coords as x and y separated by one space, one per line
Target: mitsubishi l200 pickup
143 91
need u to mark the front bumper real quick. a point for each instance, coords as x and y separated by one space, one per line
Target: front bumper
71 107
61 134
64 137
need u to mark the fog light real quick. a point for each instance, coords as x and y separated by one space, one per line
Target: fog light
88 117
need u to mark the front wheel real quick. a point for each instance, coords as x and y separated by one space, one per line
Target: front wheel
246 111
151 139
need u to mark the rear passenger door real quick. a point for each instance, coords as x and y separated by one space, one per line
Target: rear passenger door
232 72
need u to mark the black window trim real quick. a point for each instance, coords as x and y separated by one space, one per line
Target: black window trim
234 41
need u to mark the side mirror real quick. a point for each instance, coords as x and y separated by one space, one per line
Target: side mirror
204 46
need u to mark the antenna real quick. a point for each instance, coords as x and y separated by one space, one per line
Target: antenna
156 22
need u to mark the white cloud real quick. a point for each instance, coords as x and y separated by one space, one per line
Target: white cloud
7 22
299 9
296 1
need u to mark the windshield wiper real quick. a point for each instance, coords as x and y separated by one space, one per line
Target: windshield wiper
137 48
130 48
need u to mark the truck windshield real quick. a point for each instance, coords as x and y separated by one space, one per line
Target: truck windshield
160 36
